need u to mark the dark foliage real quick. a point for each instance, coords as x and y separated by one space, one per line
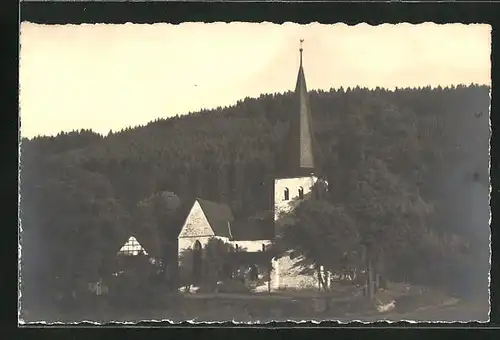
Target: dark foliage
80 191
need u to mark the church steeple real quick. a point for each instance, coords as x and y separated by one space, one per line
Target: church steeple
301 50
300 156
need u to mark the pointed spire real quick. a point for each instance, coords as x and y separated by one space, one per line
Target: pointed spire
301 50
301 79
300 141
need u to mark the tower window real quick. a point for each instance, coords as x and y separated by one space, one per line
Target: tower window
286 194
301 193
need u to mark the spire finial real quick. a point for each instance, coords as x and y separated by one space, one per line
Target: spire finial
301 49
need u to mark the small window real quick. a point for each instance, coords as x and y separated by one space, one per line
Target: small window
197 246
286 194
263 247
236 247
301 193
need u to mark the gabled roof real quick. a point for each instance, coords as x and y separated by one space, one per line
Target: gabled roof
253 230
148 240
219 216
132 246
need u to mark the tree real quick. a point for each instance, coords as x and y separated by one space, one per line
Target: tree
72 223
158 219
217 264
159 213
374 187
320 234
217 257
410 139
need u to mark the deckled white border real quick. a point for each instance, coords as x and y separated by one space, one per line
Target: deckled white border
489 204
19 220
192 321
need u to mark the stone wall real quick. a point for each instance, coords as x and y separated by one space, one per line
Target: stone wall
286 276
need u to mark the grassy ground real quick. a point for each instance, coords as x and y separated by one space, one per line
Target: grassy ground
344 304
461 311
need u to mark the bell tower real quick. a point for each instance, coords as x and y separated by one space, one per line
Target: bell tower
296 182
297 178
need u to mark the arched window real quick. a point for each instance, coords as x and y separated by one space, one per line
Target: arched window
197 245
263 247
236 247
286 195
301 193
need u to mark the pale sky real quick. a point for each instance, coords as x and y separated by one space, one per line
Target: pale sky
104 76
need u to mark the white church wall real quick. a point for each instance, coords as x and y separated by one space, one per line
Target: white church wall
251 246
281 205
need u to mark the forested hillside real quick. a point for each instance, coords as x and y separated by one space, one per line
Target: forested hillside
80 190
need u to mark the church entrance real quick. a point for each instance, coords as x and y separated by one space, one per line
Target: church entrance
197 261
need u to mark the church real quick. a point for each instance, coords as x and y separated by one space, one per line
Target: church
207 220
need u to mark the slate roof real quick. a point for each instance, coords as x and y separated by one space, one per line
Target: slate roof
218 215
253 229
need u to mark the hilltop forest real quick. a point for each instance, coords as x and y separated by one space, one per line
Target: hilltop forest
80 191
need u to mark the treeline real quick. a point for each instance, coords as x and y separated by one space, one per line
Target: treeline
79 190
